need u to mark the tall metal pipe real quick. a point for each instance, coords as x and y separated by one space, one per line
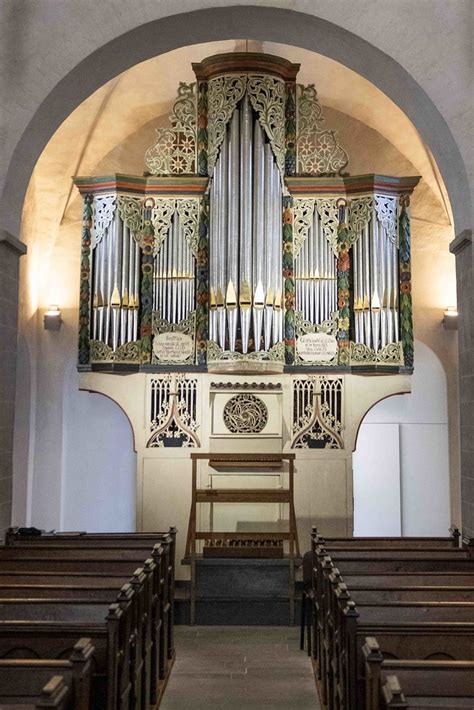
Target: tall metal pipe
125 284
212 260
269 256
95 300
245 289
233 229
258 231
222 242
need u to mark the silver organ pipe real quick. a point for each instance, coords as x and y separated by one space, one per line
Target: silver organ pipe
101 250
108 283
116 283
125 285
132 288
394 296
233 229
174 269
269 265
223 196
277 283
375 283
136 291
173 289
315 274
259 197
212 263
245 290
245 264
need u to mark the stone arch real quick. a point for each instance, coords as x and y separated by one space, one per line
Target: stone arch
260 23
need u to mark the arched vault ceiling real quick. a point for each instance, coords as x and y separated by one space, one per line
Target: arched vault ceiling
146 92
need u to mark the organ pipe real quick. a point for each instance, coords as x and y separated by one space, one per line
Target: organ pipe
115 264
173 291
375 283
233 229
245 267
315 272
245 232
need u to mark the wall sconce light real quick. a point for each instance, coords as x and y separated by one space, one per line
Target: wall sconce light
52 318
451 317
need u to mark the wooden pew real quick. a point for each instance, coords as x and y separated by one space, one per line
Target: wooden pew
149 641
110 541
326 578
453 540
145 672
432 678
375 594
425 690
144 636
55 637
403 630
83 539
331 644
435 579
22 681
54 694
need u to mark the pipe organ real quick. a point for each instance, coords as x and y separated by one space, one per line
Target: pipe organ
245 247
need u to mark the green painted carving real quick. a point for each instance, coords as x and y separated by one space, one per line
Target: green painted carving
85 287
343 293
202 129
406 308
290 129
202 276
289 281
146 292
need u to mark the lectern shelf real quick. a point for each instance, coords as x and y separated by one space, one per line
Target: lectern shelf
243 495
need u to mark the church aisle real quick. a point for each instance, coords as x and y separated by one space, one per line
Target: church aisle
240 668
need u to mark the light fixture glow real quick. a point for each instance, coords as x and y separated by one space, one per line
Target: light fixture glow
450 320
52 318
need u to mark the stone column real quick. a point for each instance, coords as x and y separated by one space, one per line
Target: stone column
463 249
10 252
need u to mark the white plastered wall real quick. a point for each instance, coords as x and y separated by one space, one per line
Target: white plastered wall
401 481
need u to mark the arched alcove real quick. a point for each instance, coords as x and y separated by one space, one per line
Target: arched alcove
98 463
401 463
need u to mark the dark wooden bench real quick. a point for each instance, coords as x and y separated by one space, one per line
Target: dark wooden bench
149 635
120 539
55 637
434 678
453 540
326 577
403 630
147 622
426 688
22 680
429 579
145 629
54 694
119 545
337 639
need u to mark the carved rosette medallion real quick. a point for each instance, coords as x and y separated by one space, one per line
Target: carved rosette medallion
245 414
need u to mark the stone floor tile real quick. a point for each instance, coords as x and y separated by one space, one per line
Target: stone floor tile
240 668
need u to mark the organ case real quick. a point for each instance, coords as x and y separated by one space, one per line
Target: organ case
246 247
